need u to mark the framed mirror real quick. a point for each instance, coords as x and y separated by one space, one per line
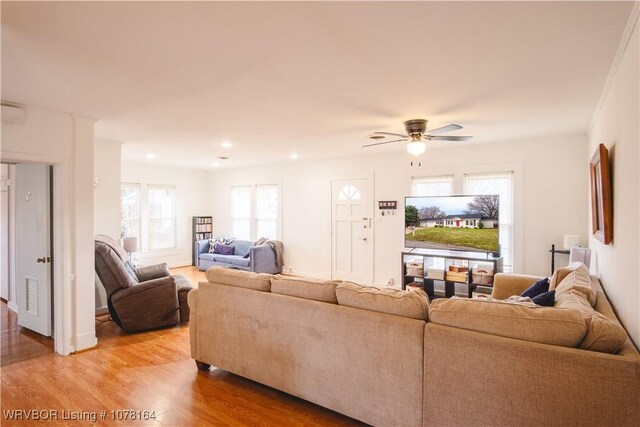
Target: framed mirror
601 215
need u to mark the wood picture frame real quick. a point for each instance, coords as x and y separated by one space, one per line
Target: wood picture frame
601 214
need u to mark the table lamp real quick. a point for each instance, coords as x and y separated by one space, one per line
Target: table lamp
130 245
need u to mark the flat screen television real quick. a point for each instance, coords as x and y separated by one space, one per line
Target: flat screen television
459 223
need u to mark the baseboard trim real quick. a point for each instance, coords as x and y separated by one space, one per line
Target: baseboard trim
102 310
85 341
12 306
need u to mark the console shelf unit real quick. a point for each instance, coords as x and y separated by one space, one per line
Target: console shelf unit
440 261
202 229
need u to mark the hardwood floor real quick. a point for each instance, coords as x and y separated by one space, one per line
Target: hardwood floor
150 371
17 343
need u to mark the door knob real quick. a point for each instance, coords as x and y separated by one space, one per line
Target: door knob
42 260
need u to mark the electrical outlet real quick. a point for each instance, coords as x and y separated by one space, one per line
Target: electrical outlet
390 281
290 269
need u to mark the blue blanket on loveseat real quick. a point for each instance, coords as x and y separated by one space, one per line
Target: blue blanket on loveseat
260 259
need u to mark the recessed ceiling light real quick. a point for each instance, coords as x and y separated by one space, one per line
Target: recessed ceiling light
215 165
226 144
293 156
151 156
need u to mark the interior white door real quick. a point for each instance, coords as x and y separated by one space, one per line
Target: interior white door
33 247
351 232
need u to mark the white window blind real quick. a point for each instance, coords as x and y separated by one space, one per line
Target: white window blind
267 211
241 212
162 217
432 186
130 210
500 183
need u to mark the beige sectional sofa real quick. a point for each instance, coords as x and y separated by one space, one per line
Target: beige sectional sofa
373 355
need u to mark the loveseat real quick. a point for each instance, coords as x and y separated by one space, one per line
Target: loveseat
259 258
373 355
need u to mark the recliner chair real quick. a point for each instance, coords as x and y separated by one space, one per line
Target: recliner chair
143 298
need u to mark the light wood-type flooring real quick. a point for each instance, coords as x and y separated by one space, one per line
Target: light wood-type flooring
149 371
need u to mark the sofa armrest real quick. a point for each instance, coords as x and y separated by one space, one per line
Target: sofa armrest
504 378
506 285
149 304
152 272
262 259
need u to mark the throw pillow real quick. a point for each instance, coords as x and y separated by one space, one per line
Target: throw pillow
546 299
221 249
540 287
212 246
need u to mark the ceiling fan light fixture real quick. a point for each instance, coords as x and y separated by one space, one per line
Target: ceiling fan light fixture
416 147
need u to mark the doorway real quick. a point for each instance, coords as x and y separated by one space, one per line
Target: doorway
27 274
351 231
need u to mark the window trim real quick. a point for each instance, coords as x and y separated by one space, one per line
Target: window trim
138 187
253 218
433 179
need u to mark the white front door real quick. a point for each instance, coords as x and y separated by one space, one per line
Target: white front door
33 247
352 236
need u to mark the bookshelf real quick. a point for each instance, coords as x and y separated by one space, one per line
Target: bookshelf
202 229
434 271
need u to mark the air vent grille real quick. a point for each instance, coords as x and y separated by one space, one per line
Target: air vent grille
32 295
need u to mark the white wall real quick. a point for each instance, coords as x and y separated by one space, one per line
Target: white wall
550 198
616 124
66 141
4 232
106 201
192 198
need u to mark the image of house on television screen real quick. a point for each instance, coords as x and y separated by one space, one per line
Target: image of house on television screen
463 223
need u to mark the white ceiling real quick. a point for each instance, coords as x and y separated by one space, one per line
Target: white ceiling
177 79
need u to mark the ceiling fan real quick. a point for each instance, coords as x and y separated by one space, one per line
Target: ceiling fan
417 133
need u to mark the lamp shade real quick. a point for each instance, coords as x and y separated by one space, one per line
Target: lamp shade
571 240
130 244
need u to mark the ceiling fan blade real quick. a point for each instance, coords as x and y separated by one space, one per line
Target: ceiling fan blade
385 142
443 129
392 134
448 138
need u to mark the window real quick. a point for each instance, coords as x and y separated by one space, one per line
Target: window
501 184
130 210
349 192
162 217
432 186
241 212
249 222
267 211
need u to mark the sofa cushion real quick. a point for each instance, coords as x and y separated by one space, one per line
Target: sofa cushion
232 259
302 287
224 249
603 334
413 304
546 325
545 299
206 256
540 287
241 247
241 279
577 279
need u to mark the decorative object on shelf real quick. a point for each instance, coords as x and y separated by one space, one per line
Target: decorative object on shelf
583 255
414 269
416 136
570 241
435 273
414 286
601 216
130 245
482 276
